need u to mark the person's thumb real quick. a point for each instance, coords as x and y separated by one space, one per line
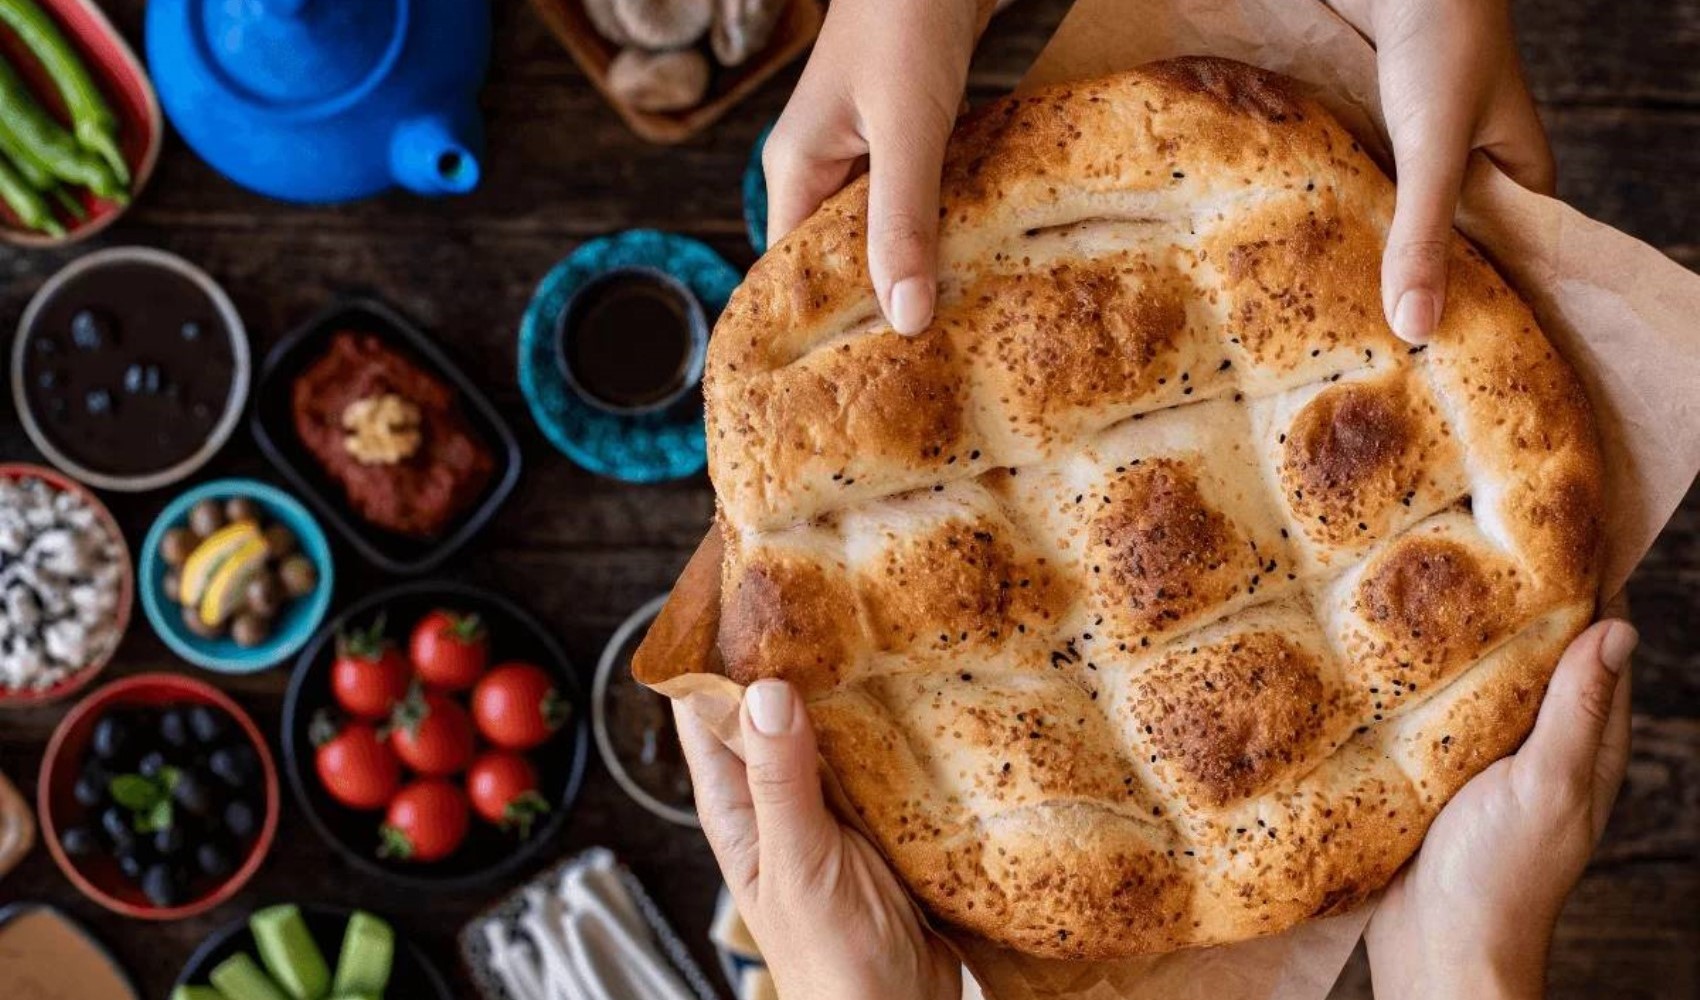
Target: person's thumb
1580 701
1430 158
905 160
793 827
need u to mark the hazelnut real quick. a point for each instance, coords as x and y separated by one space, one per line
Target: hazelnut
175 547
241 509
192 619
298 576
249 630
280 541
264 595
173 586
206 517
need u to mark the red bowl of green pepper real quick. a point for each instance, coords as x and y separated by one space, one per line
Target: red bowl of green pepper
80 126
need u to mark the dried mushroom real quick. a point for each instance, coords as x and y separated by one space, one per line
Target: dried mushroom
742 28
659 81
651 24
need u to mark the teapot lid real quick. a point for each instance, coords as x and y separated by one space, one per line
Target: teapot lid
301 52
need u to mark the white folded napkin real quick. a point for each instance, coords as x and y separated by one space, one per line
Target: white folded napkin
585 940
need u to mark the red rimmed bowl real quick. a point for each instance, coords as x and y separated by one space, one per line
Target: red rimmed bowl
98 877
29 698
128 92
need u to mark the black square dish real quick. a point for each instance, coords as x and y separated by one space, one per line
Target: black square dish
488 855
274 428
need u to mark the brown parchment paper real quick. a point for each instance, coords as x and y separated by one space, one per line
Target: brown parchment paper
1625 316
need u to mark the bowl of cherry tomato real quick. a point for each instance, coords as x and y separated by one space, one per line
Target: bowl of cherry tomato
435 734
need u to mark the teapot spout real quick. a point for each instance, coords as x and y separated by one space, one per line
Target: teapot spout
433 154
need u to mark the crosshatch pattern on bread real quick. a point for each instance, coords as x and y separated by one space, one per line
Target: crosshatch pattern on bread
1157 595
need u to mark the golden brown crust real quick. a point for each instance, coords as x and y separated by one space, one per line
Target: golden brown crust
1157 595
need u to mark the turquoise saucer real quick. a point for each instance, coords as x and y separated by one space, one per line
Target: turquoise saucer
755 193
642 448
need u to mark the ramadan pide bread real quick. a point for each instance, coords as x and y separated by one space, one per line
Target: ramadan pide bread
1156 595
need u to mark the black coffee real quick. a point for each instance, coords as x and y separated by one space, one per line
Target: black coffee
628 341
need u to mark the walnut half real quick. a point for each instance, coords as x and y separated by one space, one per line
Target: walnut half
382 430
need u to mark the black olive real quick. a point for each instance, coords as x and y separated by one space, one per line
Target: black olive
152 763
111 737
162 886
212 860
174 728
190 331
236 766
192 793
91 787
116 822
169 841
90 331
208 724
47 379
98 402
78 841
240 819
134 375
131 865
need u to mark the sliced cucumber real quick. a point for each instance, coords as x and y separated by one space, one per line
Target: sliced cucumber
196 993
290 954
368 950
238 978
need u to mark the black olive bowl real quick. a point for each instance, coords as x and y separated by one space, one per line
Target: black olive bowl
412 976
488 855
273 424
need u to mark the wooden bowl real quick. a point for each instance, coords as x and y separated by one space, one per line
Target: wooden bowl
57 808
25 698
794 33
128 92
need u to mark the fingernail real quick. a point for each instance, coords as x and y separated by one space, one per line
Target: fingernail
911 305
1414 316
770 707
1619 642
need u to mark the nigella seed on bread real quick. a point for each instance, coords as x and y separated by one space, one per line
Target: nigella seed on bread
1157 595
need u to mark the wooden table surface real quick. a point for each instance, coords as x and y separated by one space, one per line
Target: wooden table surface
1619 86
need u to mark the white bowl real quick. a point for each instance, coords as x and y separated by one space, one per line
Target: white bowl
239 371
599 718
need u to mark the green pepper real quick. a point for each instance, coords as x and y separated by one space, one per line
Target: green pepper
37 174
41 137
26 202
93 121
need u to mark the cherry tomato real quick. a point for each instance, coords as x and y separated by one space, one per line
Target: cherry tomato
426 821
369 675
449 650
503 787
355 766
432 734
517 707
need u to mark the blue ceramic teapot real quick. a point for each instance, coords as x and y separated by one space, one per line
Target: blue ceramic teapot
326 100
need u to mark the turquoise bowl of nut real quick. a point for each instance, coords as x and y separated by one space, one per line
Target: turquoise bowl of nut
235 576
